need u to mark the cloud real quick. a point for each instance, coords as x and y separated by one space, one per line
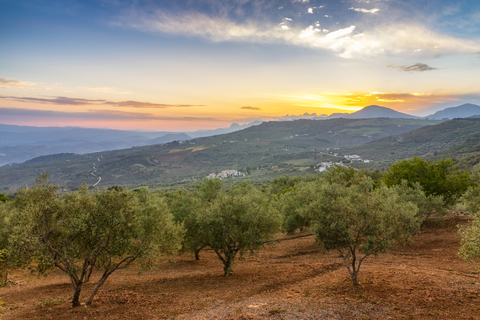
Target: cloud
251 108
138 104
19 85
84 102
94 114
375 10
106 90
352 41
417 67
56 100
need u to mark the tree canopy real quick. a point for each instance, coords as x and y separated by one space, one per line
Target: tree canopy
239 222
436 178
82 231
351 217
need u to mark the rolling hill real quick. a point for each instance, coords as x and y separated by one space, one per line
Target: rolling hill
285 145
454 138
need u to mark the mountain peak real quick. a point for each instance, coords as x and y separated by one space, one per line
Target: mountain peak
374 111
463 111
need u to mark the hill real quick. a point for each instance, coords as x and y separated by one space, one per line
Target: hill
269 149
21 143
454 138
463 111
374 111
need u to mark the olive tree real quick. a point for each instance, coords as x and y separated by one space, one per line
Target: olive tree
292 201
430 207
472 195
4 197
239 222
436 178
470 245
185 207
358 221
4 236
81 231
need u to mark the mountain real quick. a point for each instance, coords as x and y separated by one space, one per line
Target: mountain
276 148
463 111
21 143
23 135
234 127
374 111
454 138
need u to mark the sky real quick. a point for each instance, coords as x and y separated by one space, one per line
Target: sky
184 65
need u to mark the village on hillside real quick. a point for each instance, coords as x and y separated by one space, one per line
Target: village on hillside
225 174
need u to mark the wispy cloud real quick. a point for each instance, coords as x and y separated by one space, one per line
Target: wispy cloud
251 108
95 114
84 102
363 40
417 67
19 85
106 90
139 104
375 10
56 100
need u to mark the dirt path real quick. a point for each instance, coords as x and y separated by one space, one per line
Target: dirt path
290 280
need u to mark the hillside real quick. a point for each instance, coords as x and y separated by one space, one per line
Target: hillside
21 143
454 138
287 145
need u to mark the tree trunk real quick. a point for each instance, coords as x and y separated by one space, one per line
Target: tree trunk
354 275
197 253
99 284
228 267
229 258
76 294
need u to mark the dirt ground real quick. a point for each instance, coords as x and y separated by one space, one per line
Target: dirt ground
292 280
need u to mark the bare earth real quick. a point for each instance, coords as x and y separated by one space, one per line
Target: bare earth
292 280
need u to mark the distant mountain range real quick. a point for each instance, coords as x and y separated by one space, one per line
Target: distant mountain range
463 111
283 145
21 143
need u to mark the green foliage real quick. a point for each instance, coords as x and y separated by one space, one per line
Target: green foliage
429 207
342 175
4 198
239 222
4 238
209 189
352 218
185 207
281 184
292 202
470 245
472 195
82 231
436 178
